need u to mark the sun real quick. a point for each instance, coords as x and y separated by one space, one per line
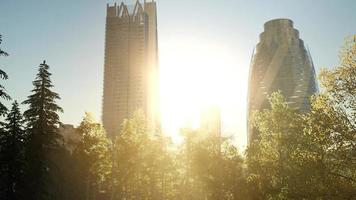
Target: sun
195 74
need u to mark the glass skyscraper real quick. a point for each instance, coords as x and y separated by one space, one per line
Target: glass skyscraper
280 62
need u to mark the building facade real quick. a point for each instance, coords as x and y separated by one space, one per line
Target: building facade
280 62
131 65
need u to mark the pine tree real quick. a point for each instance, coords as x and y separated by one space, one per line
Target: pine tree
42 126
12 154
3 93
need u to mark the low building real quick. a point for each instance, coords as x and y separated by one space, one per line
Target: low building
70 136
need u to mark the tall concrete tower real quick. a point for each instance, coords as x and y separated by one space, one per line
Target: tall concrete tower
131 65
280 62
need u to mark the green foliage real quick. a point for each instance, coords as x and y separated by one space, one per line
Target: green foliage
311 155
42 113
91 160
279 163
142 165
332 124
297 155
12 159
212 168
42 124
145 166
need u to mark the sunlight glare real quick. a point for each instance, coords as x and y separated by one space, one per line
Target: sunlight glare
195 74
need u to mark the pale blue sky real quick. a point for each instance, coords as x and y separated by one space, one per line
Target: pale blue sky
70 36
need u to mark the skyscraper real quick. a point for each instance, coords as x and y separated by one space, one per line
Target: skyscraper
280 62
131 64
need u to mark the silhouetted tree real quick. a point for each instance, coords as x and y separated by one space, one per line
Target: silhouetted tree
3 93
64 175
12 160
42 126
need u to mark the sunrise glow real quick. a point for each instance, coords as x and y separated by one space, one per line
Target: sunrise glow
198 73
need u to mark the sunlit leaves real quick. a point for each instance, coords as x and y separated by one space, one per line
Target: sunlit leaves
310 155
92 158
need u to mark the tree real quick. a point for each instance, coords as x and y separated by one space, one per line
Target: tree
3 93
280 165
42 124
92 160
332 124
212 168
12 156
310 155
142 164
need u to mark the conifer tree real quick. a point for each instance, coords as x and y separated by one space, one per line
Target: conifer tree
3 93
42 126
12 155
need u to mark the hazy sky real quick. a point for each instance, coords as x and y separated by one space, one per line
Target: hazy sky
70 36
